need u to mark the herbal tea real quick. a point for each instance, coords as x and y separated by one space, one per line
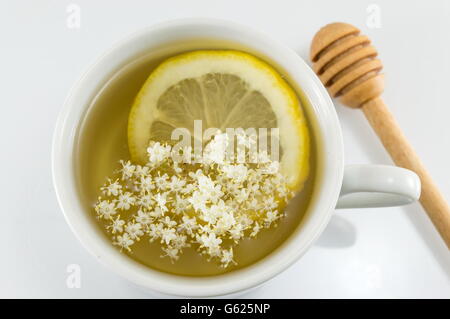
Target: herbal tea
188 161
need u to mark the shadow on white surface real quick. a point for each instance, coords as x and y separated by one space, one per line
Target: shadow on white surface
149 294
364 138
339 233
429 235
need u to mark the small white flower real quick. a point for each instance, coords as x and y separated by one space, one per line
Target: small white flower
146 184
252 203
236 172
141 171
117 225
237 232
127 169
143 217
168 222
209 241
255 230
198 201
215 212
170 252
124 241
241 195
245 221
125 201
283 191
105 209
155 231
205 229
267 187
271 216
157 152
180 204
253 188
161 201
162 182
270 203
145 201
233 188
216 150
134 230
189 188
198 173
167 235
215 194
208 188
177 168
176 184
225 222
255 176
205 184
180 242
278 179
156 213
188 224
112 188
227 257
214 157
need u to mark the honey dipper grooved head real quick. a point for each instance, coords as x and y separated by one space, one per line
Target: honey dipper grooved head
346 63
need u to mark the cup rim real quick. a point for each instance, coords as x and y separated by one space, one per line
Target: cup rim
77 103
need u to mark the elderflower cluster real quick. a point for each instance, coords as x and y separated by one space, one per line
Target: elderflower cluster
209 204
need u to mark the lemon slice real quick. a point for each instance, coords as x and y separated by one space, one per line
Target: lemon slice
224 89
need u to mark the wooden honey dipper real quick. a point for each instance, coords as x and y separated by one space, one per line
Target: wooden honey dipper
346 63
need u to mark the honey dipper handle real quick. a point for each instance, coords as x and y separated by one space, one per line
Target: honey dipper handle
395 142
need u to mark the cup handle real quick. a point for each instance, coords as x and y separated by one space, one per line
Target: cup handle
366 186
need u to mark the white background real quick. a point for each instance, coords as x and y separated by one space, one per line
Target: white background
393 252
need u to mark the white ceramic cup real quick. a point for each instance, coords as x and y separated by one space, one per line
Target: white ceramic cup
335 185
